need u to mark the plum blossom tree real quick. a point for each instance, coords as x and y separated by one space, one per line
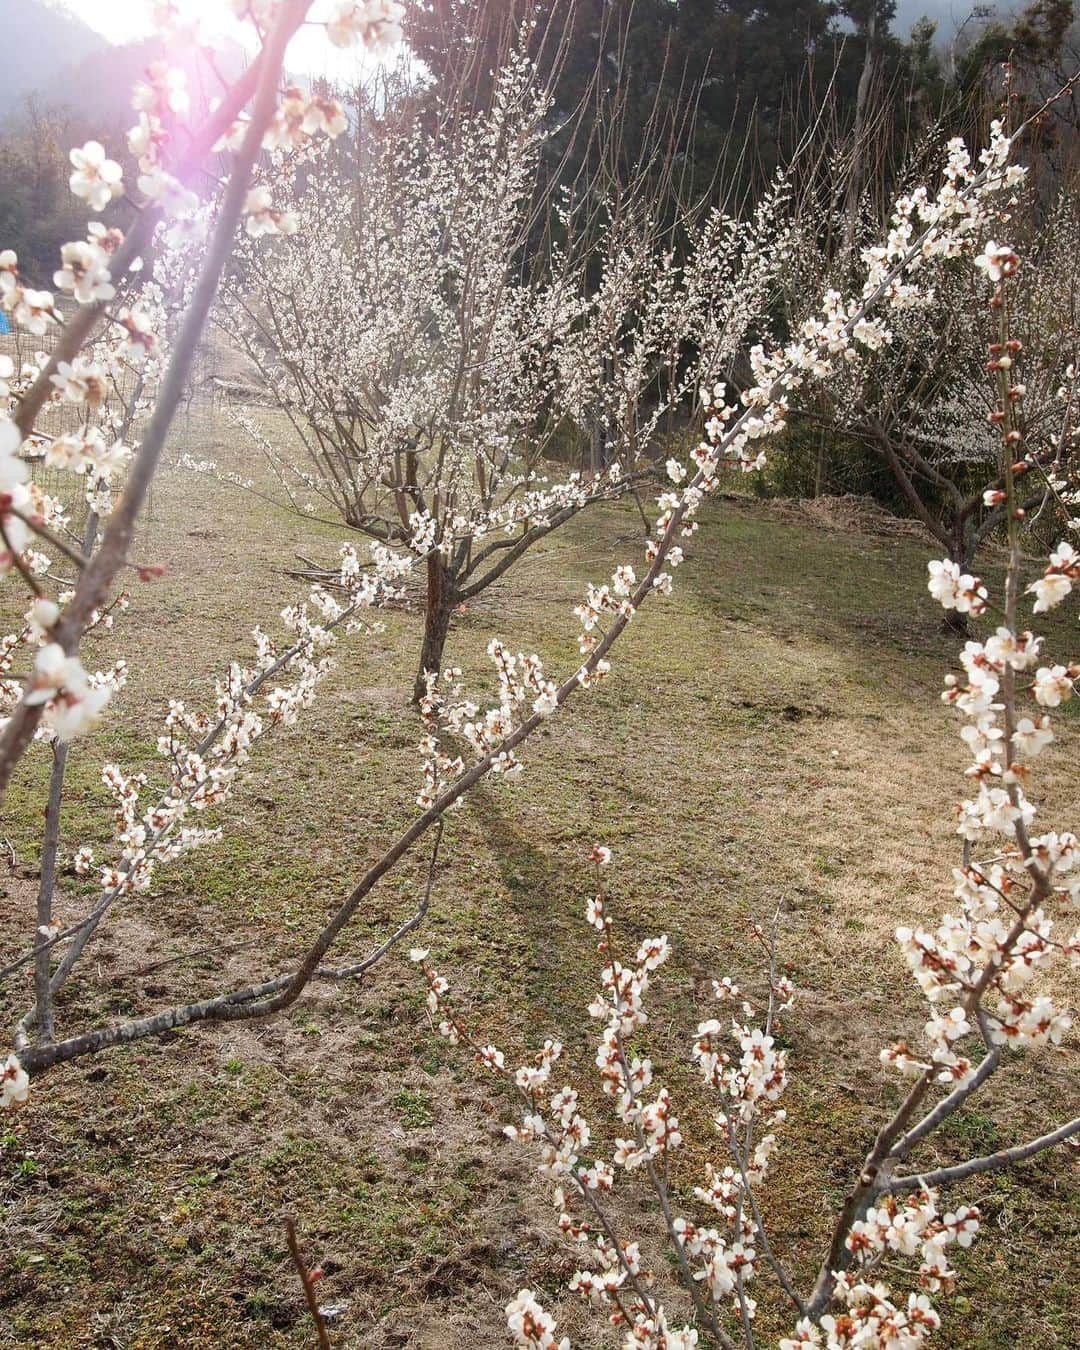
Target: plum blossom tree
98 270
116 373
103 274
982 970
976 970
453 315
921 401
204 750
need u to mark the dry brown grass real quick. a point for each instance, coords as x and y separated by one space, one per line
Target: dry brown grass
773 731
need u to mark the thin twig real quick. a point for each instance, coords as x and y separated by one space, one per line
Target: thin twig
308 1285
215 950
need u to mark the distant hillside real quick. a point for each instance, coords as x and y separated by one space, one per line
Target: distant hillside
57 39
81 71
98 87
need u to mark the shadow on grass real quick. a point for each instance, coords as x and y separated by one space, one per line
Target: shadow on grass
541 919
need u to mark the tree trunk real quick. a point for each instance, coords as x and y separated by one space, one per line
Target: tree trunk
961 552
955 624
441 599
962 549
858 134
597 447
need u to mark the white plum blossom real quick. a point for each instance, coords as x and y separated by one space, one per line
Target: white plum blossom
141 335
298 117
263 218
1057 582
35 310
325 115
146 140
85 273
1031 738
997 261
871 333
954 589
89 454
1054 685
43 614
1050 591
72 704
96 178
53 698
530 1325
648 1133
393 341
164 90
376 24
176 201
82 380
14 1084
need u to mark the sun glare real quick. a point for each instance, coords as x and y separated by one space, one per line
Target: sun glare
129 20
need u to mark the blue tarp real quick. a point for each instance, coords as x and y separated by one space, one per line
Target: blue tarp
5 327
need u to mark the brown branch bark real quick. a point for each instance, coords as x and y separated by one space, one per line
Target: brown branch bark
991 1162
307 1284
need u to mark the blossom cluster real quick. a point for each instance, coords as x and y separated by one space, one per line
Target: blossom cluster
202 752
112 382
871 1317
925 229
523 690
72 698
374 24
920 401
980 948
720 1256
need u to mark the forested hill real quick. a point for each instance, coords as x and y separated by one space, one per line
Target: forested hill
78 70
66 42
59 41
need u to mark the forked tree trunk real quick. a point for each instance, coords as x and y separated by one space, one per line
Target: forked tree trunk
441 599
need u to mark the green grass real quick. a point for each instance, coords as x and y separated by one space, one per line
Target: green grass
144 1192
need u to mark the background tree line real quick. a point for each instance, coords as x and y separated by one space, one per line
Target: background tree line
726 90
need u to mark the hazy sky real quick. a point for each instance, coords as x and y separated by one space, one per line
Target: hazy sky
309 52
947 14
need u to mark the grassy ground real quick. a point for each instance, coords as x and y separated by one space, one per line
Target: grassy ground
772 732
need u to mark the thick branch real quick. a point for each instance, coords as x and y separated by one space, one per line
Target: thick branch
991 1162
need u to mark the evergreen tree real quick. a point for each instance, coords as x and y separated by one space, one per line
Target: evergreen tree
741 79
